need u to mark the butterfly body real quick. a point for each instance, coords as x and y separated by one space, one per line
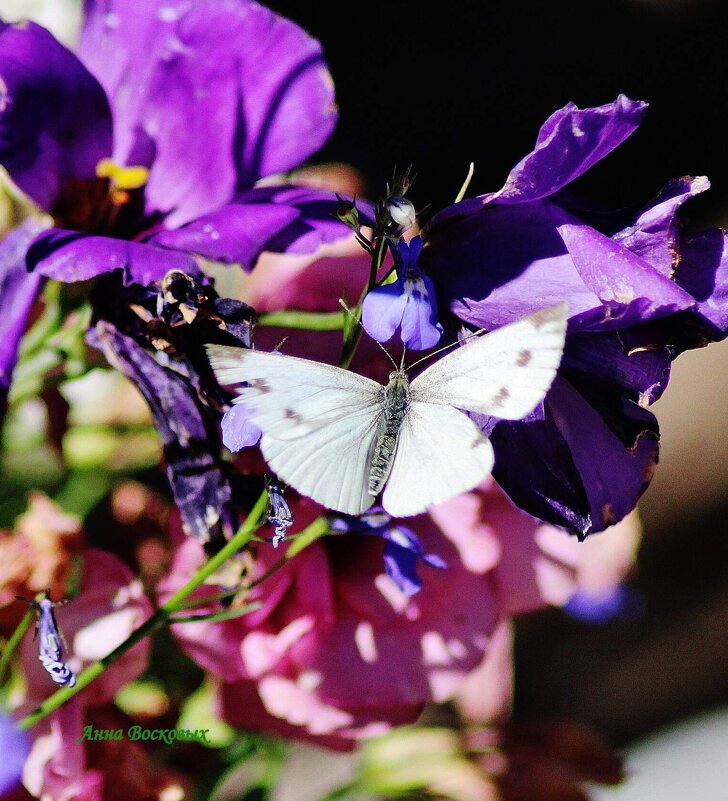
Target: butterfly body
341 438
395 402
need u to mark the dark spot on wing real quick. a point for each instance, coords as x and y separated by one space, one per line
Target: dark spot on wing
524 357
544 316
261 385
290 414
501 397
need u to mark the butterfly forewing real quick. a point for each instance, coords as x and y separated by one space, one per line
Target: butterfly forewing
288 397
440 453
505 373
319 422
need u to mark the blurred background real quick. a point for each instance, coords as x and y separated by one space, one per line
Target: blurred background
473 81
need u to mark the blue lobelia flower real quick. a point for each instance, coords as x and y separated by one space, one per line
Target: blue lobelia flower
408 304
14 747
640 290
403 550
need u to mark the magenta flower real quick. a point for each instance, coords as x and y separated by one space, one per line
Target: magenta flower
338 652
638 292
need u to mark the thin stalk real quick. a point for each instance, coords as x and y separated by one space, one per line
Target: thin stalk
160 618
352 341
309 321
14 641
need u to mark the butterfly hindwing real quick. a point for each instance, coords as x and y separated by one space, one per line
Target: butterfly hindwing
330 465
504 373
440 453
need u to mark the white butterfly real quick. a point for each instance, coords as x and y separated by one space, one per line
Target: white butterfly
340 438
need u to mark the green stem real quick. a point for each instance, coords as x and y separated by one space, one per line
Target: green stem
352 340
13 642
310 321
160 618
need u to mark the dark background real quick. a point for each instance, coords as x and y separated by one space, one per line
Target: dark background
473 81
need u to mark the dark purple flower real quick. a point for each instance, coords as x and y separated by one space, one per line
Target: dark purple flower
14 747
151 139
638 292
156 338
407 304
402 552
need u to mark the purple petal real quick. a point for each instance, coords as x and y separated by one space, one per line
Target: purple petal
630 289
420 327
642 374
220 93
281 219
14 747
568 144
703 271
402 553
55 122
382 311
201 490
504 263
18 291
238 430
71 256
654 236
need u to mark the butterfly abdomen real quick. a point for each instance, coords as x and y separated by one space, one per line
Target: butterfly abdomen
395 402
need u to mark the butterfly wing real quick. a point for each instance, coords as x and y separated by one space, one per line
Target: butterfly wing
440 453
505 373
319 422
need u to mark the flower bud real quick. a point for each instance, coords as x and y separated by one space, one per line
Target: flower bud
402 212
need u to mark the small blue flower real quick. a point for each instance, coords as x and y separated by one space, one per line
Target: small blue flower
238 430
14 747
403 549
408 304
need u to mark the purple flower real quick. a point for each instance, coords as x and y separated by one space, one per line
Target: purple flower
408 304
639 292
606 605
151 139
402 552
14 747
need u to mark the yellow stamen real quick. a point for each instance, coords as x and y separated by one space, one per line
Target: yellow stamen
122 177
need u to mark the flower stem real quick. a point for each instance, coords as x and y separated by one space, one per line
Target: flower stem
352 340
13 642
160 618
309 321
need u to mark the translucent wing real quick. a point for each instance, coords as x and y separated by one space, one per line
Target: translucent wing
288 397
319 422
505 373
440 453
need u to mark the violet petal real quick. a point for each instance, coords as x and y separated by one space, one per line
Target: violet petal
220 93
55 121
72 256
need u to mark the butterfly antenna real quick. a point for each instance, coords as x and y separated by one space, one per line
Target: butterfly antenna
446 347
358 321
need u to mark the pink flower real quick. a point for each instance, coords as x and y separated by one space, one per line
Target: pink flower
337 653
109 606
